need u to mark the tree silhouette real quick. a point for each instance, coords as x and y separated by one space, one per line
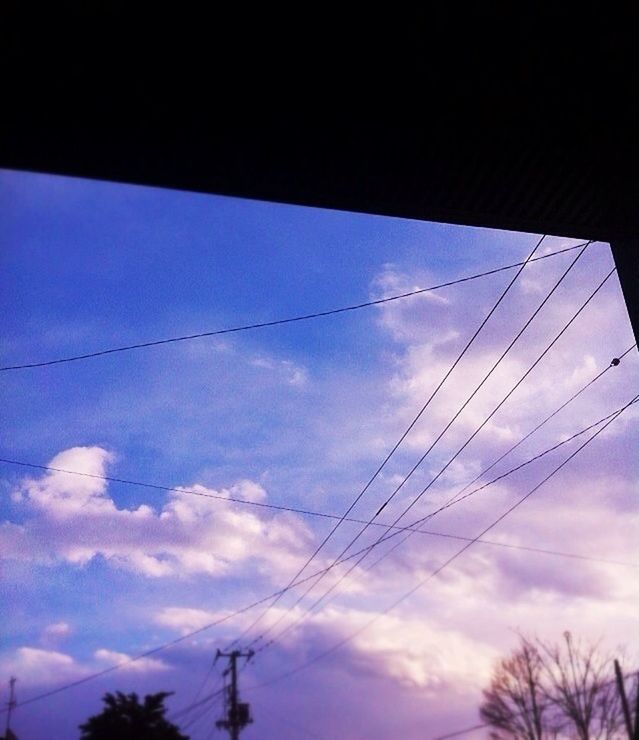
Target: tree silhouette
125 718
545 691
513 703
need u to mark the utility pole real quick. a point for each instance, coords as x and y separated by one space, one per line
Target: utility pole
633 734
236 714
11 705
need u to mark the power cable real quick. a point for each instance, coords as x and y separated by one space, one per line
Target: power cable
447 562
219 621
501 403
180 713
413 528
372 479
279 322
462 732
614 363
424 490
423 457
306 512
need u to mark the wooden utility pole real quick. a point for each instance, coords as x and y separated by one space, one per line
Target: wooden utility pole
633 733
11 705
236 714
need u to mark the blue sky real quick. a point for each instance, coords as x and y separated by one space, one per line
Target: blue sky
299 415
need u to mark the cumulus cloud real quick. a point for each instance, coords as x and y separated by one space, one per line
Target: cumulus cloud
409 649
41 667
188 534
62 494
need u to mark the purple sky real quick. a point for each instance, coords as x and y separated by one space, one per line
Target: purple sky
300 416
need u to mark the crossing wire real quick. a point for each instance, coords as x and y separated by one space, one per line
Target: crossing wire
307 512
413 528
260 602
446 563
433 480
280 322
423 457
406 432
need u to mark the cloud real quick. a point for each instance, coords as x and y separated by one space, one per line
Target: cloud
292 373
124 663
189 534
425 314
183 619
62 494
41 667
55 633
409 649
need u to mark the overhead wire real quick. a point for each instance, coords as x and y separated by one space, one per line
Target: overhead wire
279 322
453 536
307 512
414 528
357 562
166 645
184 711
614 363
235 613
381 538
494 411
407 477
397 444
349 638
243 328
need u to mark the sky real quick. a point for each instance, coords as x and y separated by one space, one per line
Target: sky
298 416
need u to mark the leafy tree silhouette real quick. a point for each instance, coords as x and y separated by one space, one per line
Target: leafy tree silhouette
125 718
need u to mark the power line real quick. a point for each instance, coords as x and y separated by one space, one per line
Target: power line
436 477
395 447
422 458
180 713
413 528
614 363
170 489
462 732
447 562
259 602
501 403
293 509
279 322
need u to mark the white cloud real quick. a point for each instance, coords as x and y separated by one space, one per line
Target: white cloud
410 649
63 494
41 667
189 534
55 633
124 662
292 373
